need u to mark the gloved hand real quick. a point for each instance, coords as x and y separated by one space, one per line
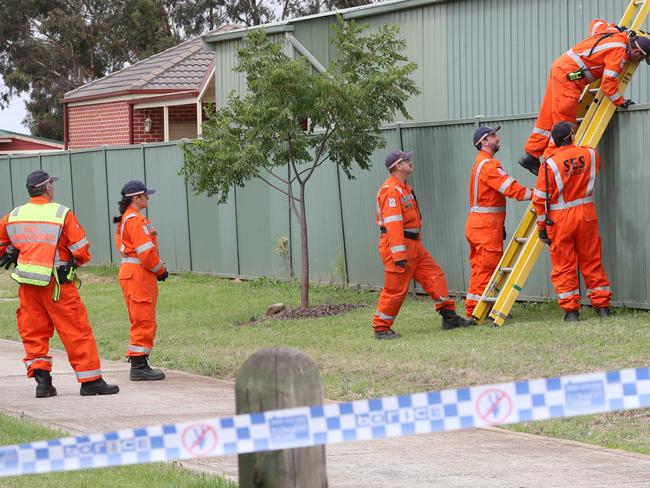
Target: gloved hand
627 103
543 236
9 257
401 263
163 276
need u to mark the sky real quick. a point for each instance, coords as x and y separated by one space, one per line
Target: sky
12 116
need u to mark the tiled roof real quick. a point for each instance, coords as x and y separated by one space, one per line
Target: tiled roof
179 68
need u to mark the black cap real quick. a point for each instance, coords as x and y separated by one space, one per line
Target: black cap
136 187
482 132
39 178
643 43
397 156
560 132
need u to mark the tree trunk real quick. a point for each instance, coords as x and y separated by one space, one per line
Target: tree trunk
304 251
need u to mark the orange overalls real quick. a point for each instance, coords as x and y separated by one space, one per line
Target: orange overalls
571 174
38 315
398 217
606 60
489 185
137 241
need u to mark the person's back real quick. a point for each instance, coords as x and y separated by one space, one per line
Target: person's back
567 221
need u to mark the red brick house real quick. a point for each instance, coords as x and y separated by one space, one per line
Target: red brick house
161 98
15 143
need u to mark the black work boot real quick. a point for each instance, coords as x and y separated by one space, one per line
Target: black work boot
571 316
98 387
387 334
450 320
604 312
44 387
140 370
531 163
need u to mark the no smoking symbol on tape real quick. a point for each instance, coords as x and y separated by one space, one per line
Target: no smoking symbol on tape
199 439
494 406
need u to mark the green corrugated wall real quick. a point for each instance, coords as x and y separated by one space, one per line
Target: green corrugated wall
241 236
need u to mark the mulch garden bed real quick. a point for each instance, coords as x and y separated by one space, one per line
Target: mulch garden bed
316 311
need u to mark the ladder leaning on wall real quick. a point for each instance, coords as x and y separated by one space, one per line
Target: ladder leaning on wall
594 113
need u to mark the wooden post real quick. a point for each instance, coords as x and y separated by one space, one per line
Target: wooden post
273 379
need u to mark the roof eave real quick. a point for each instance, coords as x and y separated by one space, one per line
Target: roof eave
363 11
119 93
239 33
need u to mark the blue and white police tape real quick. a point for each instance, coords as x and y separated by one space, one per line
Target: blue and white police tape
395 416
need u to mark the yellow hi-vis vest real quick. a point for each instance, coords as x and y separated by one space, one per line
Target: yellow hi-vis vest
35 231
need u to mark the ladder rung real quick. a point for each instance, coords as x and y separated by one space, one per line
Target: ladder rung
639 2
580 119
505 269
489 299
521 240
593 90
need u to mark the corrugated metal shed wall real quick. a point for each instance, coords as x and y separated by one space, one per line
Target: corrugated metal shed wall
474 57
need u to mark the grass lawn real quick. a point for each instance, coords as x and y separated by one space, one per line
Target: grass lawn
203 328
159 475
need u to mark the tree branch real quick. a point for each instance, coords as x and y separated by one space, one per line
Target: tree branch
276 176
277 187
318 154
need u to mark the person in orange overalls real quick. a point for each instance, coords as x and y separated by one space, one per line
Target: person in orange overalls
489 185
46 244
602 55
402 252
141 268
568 223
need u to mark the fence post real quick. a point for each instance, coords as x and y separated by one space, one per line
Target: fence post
274 379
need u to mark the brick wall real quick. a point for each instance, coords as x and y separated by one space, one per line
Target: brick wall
98 125
182 113
156 134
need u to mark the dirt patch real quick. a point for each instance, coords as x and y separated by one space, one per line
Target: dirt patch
316 311
313 312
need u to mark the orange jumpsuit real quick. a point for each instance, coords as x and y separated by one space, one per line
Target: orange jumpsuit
489 185
398 216
571 173
38 315
560 102
137 241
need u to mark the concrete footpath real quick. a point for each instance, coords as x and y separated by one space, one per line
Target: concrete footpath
477 458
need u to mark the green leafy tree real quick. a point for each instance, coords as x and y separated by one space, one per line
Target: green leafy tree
262 133
49 47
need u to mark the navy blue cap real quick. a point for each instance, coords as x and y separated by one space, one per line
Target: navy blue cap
136 187
482 132
39 178
561 131
397 156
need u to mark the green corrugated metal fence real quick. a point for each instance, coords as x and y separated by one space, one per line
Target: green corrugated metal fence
246 235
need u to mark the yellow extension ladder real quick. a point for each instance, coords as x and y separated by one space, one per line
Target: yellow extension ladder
594 113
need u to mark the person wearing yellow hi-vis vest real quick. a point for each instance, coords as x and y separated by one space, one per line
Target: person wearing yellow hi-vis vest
46 243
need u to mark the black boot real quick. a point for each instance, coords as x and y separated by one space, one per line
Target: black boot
450 320
98 387
531 163
571 316
387 334
44 387
140 370
604 312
